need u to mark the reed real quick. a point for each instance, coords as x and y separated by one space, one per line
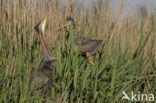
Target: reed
125 62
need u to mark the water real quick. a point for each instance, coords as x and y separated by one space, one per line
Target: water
130 6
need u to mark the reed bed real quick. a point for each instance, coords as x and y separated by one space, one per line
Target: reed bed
126 61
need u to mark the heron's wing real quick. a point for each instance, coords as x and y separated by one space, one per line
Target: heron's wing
39 79
42 76
88 45
46 67
83 40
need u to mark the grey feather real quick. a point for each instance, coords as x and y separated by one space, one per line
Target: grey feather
87 45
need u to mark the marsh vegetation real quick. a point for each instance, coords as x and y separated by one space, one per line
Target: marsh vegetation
126 61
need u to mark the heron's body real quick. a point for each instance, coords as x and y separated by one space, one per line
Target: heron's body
87 45
43 75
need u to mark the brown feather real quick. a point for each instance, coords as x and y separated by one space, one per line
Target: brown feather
87 45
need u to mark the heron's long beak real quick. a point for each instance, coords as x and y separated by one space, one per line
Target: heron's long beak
41 24
44 19
64 25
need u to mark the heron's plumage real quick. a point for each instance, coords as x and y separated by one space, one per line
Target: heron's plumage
87 45
43 75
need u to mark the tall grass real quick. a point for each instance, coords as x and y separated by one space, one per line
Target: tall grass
126 61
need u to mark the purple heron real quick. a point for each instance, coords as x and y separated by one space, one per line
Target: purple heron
43 75
87 45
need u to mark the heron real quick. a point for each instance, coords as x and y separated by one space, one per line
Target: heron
43 75
87 46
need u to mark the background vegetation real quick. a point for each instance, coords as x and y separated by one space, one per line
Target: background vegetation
125 62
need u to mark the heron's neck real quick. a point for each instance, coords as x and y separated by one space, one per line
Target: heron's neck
45 49
67 34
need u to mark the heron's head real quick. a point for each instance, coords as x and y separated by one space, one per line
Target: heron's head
69 21
41 25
